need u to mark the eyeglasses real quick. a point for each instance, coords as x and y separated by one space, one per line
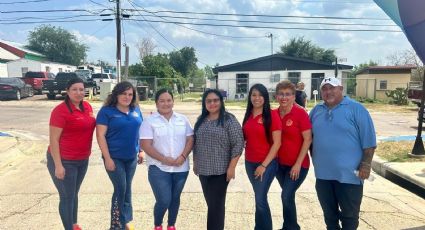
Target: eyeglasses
214 100
282 95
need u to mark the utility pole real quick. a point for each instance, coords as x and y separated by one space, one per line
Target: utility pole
271 55
336 67
126 61
118 21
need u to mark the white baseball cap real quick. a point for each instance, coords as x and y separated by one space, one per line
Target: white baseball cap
332 81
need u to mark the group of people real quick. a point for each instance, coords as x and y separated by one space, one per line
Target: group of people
338 133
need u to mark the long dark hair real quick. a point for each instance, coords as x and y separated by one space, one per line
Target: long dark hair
70 82
267 116
222 117
119 88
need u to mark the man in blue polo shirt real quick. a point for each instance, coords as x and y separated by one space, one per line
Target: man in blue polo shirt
344 142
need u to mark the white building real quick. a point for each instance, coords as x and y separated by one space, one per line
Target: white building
19 67
236 79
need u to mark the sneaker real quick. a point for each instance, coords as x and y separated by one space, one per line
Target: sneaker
158 228
171 228
129 226
76 227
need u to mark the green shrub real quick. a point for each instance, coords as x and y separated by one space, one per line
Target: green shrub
398 96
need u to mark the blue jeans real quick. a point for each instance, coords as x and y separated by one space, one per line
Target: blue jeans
68 188
121 178
263 217
289 187
340 202
166 188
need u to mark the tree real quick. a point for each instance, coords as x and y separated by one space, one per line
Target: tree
357 68
184 60
145 47
407 57
57 45
302 48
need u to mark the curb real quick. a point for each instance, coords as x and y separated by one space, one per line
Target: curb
385 169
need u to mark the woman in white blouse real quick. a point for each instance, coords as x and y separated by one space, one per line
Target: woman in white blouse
167 138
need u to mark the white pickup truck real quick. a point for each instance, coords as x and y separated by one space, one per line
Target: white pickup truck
103 77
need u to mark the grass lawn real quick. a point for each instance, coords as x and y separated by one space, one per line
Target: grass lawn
396 151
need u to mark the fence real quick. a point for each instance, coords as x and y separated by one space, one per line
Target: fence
238 88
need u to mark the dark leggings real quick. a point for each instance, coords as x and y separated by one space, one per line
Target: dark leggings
68 188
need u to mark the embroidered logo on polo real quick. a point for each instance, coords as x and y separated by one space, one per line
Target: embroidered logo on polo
289 122
135 114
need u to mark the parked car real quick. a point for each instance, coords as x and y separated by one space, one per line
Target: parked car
14 88
35 79
414 92
58 86
103 77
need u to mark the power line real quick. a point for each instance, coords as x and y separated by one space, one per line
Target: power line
142 27
261 15
47 18
201 31
23 2
154 27
54 11
99 4
269 27
269 22
49 21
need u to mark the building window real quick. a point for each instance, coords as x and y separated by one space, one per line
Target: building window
275 78
242 83
294 77
24 71
383 84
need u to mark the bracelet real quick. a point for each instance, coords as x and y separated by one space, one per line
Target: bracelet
183 156
263 166
365 163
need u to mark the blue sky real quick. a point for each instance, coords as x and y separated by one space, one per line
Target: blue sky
99 36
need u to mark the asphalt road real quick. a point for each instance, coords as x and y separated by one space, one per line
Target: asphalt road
29 200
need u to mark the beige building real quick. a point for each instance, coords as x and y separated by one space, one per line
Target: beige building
373 81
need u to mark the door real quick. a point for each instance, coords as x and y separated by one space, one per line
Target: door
316 79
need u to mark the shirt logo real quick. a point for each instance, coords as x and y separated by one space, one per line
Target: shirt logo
135 114
260 121
289 122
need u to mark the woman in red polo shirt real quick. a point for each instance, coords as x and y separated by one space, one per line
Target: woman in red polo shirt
292 156
262 130
71 132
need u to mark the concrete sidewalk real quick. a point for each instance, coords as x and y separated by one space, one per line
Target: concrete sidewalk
29 200
413 172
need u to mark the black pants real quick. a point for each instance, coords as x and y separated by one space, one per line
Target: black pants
215 189
340 202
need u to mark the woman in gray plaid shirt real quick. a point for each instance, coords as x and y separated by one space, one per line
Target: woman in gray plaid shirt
218 145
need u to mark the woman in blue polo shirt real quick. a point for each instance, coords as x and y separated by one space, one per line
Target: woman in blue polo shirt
117 131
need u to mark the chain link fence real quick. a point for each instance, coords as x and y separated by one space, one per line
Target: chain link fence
238 88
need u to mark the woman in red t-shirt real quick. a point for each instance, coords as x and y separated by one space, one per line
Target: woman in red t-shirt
71 132
292 156
262 131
